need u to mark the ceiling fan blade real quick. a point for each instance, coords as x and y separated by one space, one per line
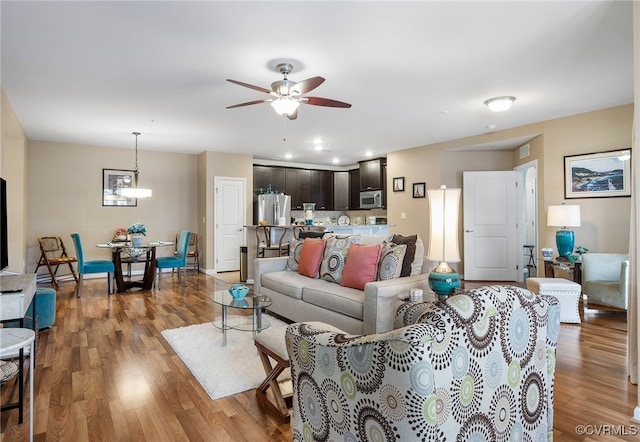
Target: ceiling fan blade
317 101
248 103
293 116
307 85
250 86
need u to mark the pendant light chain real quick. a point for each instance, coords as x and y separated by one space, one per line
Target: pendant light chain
136 134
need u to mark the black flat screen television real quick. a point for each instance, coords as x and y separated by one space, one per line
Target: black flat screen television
4 247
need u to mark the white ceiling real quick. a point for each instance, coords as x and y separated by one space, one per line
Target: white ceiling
416 73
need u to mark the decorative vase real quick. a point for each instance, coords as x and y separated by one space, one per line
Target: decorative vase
136 240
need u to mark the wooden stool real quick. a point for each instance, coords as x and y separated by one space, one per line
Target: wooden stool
271 345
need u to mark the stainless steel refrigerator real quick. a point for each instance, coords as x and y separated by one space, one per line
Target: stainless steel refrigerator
273 208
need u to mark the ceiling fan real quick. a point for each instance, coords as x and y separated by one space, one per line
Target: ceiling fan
289 94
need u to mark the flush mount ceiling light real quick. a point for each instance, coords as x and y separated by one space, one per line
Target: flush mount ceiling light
500 104
135 192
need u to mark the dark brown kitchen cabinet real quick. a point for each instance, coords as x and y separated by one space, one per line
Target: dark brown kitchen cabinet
268 177
322 189
371 174
354 189
341 190
298 185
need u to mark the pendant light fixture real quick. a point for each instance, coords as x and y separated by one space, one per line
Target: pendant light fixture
135 192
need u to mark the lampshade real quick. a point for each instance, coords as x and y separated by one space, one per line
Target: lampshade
285 105
563 216
500 104
443 234
136 192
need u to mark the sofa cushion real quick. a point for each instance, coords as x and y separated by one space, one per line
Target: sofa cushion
334 297
285 282
310 258
335 255
410 254
361 266
391 260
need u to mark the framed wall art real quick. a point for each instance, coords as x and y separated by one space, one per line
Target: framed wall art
398 184
419 190
598 175
113 180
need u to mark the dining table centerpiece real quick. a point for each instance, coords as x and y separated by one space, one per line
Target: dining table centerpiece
137 231
121 235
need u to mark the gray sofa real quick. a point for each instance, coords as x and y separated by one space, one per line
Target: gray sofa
301 299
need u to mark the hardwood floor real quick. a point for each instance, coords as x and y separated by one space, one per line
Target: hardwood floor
104 372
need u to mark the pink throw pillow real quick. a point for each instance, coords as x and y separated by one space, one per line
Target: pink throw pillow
310 257
361 266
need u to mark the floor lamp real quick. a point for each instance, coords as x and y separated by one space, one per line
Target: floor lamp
443 239
564 216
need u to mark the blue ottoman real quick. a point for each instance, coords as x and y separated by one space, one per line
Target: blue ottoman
45 309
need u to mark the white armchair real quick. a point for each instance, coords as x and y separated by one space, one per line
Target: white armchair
605 278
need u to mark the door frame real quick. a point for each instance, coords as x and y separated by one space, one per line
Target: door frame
533 164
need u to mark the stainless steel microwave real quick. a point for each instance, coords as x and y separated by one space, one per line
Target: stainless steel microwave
371 199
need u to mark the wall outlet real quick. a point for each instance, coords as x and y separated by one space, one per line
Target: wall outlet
403 215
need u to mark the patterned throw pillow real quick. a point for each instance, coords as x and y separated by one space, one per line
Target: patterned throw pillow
295 248
409 256
335 256
391 260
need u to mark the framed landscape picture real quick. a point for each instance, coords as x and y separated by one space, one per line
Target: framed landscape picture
598 175
113 180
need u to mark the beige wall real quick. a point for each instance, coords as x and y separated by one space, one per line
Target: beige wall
65 195
211 165
605 221
13 159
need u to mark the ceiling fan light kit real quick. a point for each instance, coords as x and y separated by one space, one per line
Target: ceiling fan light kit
289 94
500 104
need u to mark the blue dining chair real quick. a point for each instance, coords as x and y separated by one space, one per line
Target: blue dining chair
179 261
97 266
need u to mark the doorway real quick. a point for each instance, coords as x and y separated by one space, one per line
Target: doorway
529 221
230 217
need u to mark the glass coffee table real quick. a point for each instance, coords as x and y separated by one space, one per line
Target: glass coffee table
254 323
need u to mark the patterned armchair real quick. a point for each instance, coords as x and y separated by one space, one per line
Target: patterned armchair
479 363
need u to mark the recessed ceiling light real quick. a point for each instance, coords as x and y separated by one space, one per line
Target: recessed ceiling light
317 141
318 147
288 156
500 104
491 126
336 161
368 153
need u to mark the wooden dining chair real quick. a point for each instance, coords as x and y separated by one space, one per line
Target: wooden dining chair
271 238
53 254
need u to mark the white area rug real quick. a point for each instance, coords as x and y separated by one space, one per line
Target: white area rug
222 371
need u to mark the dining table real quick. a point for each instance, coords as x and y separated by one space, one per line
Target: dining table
126 253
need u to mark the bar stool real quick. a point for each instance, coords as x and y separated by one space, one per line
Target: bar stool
12 340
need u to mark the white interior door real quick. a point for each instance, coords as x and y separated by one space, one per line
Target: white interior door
230 215
491 208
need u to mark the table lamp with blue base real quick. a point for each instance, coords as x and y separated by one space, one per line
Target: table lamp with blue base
443 239
564 216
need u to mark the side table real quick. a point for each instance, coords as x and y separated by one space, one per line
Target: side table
575 269
12 340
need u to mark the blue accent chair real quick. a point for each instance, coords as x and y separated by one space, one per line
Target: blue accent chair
179 261
97 266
